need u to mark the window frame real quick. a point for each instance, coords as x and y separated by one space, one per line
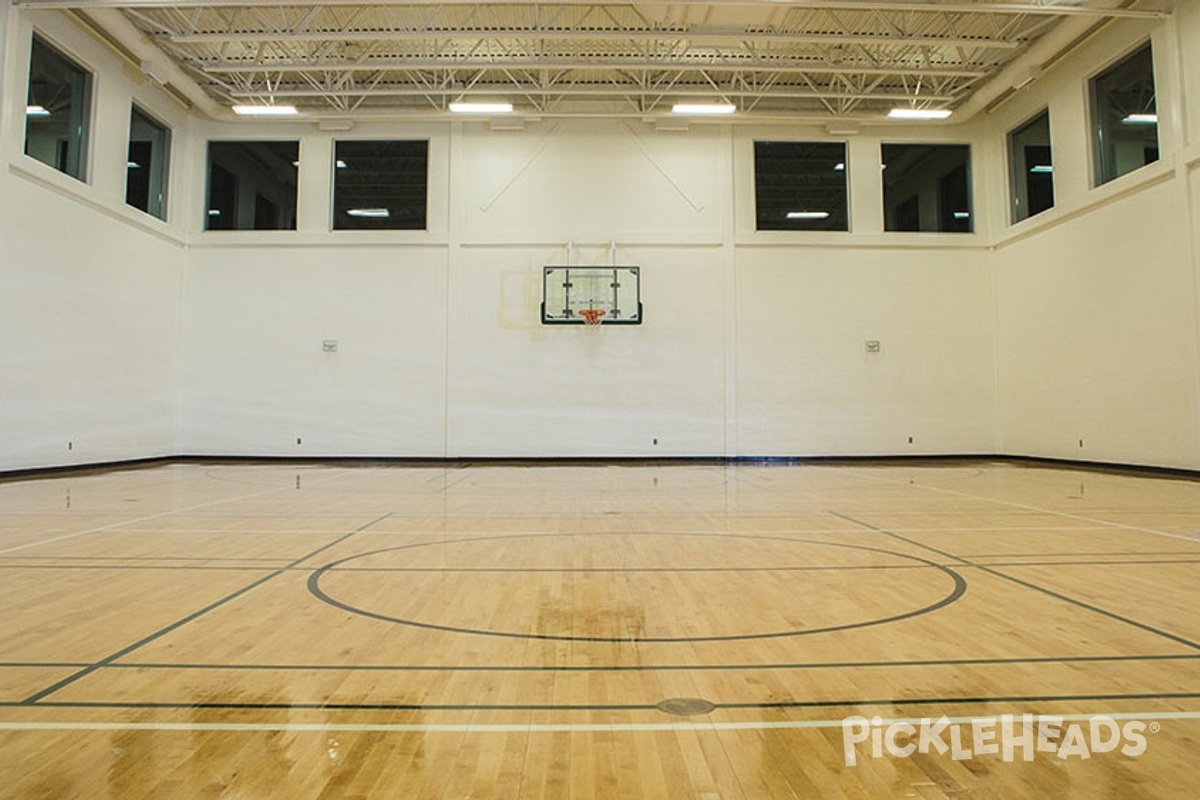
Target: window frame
154 120
333 186
1096 147
967 166
209 163
799 227
1009 141
86 145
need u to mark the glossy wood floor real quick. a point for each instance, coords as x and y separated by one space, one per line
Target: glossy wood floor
510 631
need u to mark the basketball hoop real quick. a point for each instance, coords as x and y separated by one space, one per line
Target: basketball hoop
591 316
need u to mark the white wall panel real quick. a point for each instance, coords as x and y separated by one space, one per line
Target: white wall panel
518 387
1098 337
590 182
806 384
89 312
256 376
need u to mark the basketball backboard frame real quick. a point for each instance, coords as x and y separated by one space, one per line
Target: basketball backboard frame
616 290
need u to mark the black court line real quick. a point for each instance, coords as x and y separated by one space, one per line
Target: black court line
35 698
141 567
594 570
1028 585
274 559
781 704
1090 554
813 665
959 588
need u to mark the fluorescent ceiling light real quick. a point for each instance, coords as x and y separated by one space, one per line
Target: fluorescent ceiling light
214 212
265 111
369 213
480 108
840 166
962 214
919 113
341 164
1141 119
1042 169
807 214
36 111
700 109
133 165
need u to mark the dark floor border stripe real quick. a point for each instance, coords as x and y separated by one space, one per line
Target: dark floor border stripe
518 570
783 704
950 662
964 459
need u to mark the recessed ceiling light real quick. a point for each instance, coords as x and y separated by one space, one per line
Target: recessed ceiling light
808 215
840 166
132 165
341 164
919 113
702 109
265 111
1141 119
36 111
369 213
480 108
1042 169
962 214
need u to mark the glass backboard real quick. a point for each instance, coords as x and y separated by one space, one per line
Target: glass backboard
568 291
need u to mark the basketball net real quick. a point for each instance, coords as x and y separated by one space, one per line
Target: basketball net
591 316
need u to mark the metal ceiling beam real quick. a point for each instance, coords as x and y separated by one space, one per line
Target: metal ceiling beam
1092 8
451 63
605 35
610 92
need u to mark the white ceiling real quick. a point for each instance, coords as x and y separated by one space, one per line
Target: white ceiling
806 60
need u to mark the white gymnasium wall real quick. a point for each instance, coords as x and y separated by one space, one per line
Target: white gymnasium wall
260 305
587 193
1097 321
130 338
747 348
90 290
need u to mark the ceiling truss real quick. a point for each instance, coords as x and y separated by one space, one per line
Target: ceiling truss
839 59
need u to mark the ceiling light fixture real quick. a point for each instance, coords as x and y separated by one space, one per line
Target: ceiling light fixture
464 107
703 109
37 111
1141 119
369 213
265 111
1041 169
919 113
808 215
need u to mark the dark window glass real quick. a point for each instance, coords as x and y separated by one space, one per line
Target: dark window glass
1031 168
146 170
1124 117
252 185
927 187
380 185
800 186
58 110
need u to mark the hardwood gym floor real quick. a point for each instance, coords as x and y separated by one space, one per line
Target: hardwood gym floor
644 630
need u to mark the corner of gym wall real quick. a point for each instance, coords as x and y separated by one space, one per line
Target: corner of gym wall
1097 298
89 291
